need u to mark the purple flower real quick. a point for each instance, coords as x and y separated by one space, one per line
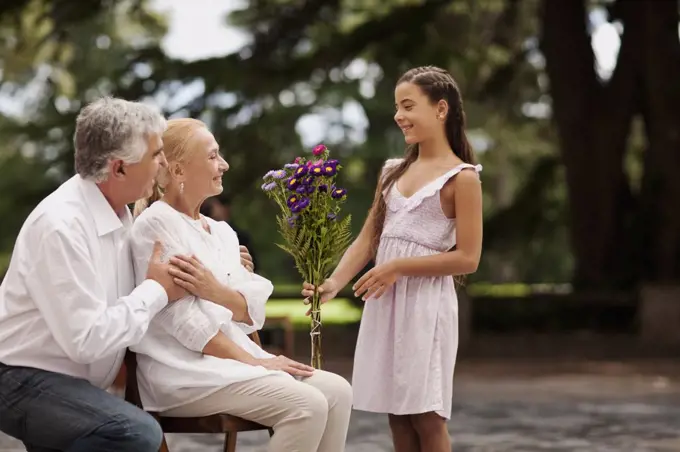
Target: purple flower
268 175
291 220
269 186
338 193
300 171
319 149
278 174
292 183
303 203
307 180
292 200
300 205
323 188
302 189
316 170
310 188
291 166
329 170
332 162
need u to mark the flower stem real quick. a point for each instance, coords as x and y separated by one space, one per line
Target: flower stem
315 332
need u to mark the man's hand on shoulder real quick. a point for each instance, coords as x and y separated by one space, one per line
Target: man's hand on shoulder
159 272
246 258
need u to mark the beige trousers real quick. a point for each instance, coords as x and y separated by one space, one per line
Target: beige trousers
307 415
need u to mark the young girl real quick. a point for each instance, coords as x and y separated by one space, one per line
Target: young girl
425 204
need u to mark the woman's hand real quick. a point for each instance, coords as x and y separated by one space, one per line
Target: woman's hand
328 290
287 365
190 274
376 281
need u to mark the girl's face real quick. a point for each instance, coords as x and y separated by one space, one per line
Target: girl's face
417 117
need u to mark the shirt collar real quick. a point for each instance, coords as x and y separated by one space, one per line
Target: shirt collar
105 218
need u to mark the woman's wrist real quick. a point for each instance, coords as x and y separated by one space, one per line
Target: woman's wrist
252 361
234 301
223 295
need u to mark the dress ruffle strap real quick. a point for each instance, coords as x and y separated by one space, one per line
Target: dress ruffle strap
434 187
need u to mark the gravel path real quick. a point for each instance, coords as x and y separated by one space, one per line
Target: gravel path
558 413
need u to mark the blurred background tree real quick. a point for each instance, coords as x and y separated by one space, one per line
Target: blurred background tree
579 164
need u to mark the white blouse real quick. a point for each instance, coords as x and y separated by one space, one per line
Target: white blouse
172 369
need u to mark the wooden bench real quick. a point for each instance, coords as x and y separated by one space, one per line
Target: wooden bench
218 423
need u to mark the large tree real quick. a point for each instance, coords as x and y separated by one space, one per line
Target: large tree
620 235
622 230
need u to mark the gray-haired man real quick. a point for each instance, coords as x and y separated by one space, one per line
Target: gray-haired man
68 305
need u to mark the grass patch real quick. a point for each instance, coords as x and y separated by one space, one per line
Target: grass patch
287 288
476 289
339 311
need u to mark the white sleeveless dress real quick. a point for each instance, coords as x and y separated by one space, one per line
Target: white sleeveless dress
408 338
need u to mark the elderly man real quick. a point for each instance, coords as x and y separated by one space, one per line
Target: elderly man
68 305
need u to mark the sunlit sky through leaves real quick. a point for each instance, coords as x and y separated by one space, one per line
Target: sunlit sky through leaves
198 29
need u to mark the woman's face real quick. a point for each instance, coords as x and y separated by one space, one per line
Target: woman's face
204 170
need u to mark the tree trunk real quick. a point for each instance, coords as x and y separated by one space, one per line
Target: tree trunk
660 194
593 122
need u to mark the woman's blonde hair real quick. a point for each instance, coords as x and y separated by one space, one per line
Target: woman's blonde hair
176 148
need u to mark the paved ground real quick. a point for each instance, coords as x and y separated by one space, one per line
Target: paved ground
522 407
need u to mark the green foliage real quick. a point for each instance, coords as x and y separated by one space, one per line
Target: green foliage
305 57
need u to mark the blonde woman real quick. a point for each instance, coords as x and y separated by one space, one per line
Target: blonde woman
196 358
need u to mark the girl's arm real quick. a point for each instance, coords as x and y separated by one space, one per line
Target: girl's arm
355 258
357 255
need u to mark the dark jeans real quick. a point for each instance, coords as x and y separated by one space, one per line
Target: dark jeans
51 412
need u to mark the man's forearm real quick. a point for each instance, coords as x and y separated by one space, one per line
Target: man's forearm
221 346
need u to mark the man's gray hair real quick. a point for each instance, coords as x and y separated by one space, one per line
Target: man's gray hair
111 129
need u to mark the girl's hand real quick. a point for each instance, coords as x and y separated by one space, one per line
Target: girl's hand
190 274
376 281
328 290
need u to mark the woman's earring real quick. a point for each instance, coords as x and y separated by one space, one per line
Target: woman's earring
181 188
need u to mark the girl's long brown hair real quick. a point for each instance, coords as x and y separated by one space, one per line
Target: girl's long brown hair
437 84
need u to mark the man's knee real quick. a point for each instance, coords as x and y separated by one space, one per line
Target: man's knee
147 432
138 432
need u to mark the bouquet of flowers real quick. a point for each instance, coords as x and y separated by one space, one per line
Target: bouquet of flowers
308 220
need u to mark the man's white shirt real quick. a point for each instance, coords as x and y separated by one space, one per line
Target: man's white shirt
68 302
